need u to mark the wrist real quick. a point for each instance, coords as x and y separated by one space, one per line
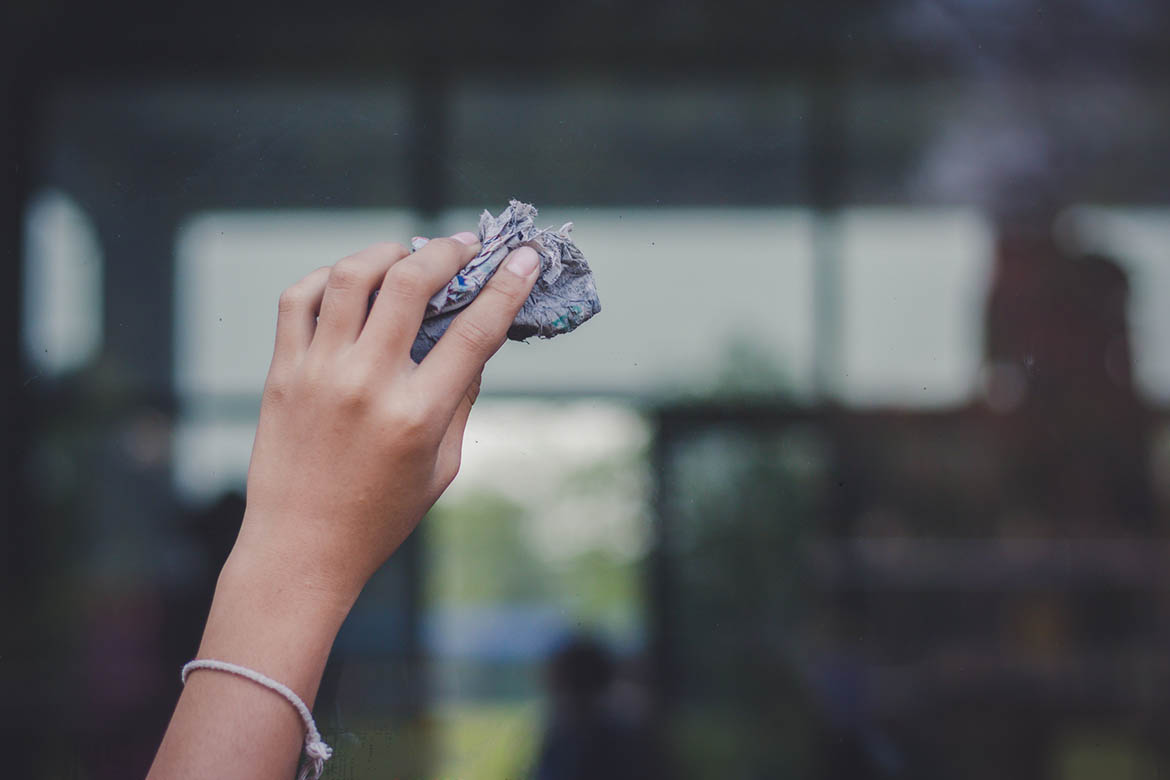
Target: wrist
277 583
273 620
283 553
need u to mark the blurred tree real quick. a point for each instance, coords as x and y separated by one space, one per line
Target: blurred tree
749 369
478 552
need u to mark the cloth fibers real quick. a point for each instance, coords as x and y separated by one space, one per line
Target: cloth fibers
564 295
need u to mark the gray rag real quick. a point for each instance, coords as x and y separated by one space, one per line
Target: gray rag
564 295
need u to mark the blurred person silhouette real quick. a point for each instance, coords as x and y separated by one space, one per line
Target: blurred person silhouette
1059 357
1058 377
144 636
597 725
1073 436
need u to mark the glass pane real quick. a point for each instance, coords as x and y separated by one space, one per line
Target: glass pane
699 141
688 296
62 325
1139 240
913 290
526 559
863 470
230 270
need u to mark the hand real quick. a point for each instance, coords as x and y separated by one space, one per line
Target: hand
356 441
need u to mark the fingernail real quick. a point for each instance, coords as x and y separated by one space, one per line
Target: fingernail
466 238
523 261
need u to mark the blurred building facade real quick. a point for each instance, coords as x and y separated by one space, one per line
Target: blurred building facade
842 579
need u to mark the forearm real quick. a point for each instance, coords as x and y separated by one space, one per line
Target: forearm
355 442
269 620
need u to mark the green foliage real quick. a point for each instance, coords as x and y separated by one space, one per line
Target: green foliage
490 741
478 554
742 504
748 369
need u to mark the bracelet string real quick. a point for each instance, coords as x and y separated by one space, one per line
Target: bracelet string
316 751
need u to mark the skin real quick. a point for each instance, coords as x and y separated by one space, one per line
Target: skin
355 443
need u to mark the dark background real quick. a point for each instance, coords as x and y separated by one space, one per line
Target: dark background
970 591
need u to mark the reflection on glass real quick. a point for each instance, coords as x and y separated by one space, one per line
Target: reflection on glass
62 326
524 553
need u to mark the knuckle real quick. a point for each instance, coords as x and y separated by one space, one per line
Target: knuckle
346 274
507 287
350 392
292 299
409 422
275 389
447 246
390 248
473 335
473 389
408 280
300 294
499 301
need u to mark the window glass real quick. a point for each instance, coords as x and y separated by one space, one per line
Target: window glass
914 288
1139 240
62 328
687 294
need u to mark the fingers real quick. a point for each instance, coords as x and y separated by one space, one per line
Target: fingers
480 329
347 292
408 285
296 317
451 447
